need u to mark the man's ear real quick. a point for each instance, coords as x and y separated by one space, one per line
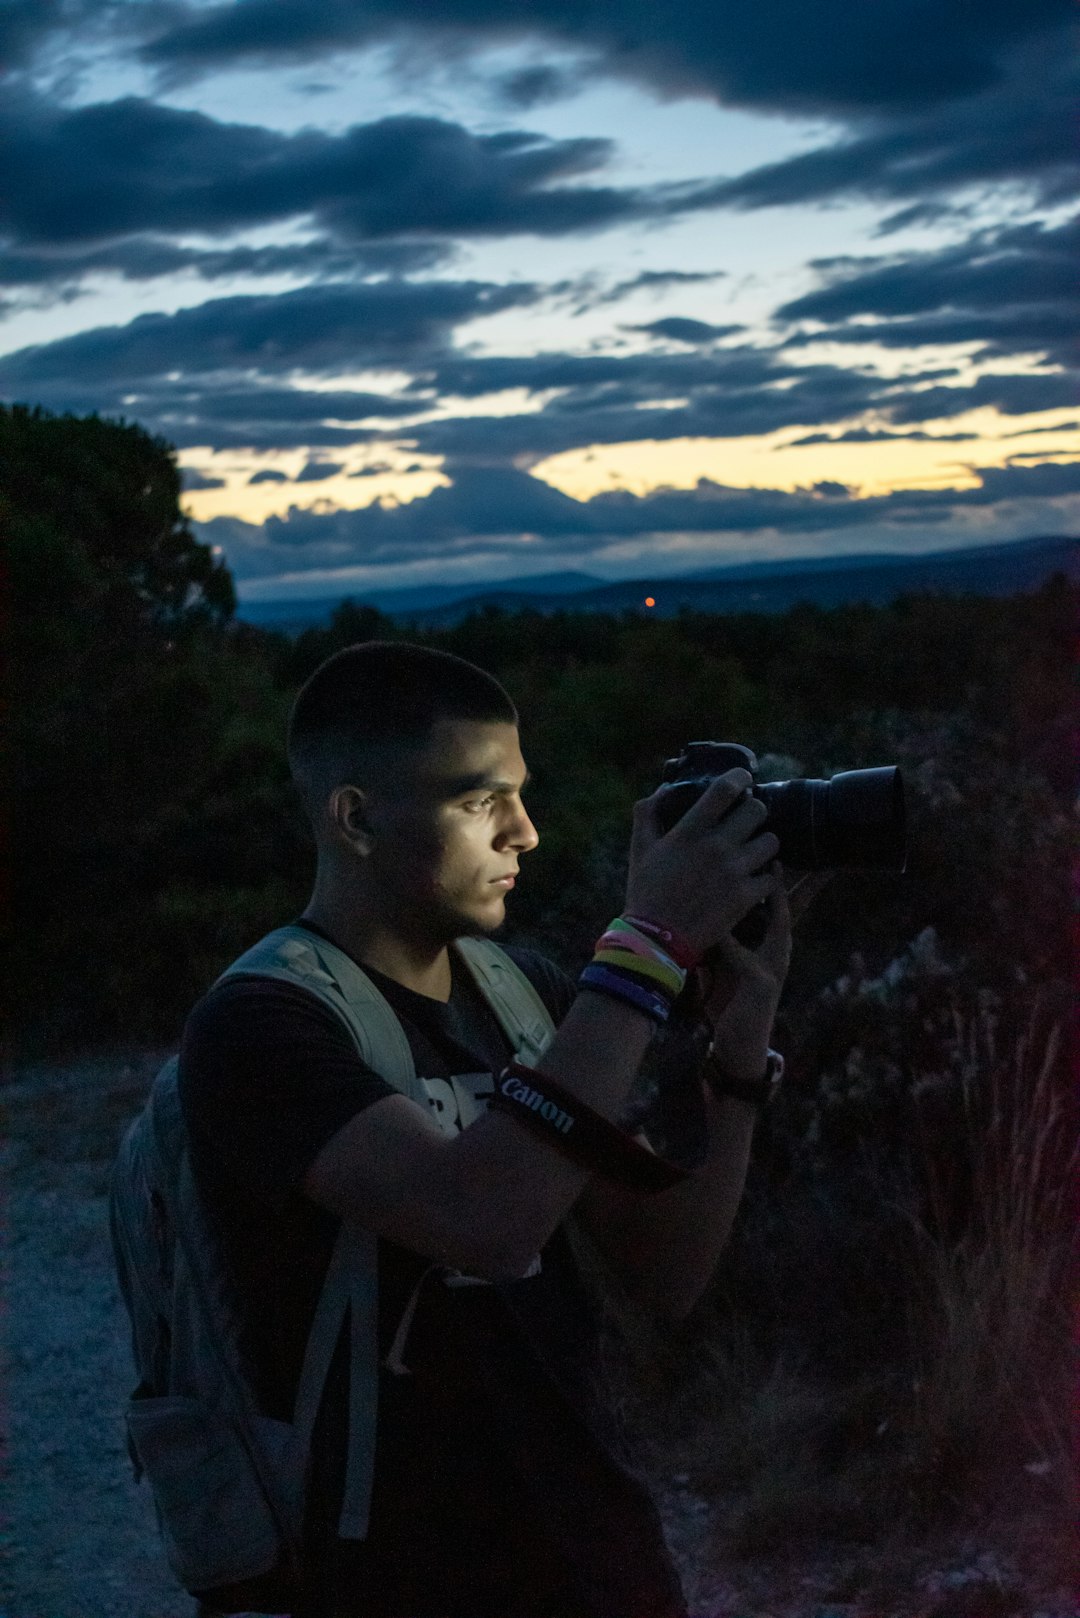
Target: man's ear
348 812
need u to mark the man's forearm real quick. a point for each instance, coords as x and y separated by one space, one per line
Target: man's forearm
501 1172
668 1245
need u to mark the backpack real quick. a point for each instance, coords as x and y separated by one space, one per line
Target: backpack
227 1481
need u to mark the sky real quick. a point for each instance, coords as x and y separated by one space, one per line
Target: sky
443 291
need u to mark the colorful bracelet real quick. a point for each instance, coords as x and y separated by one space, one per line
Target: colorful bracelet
631 966
625 939
681 951
620 932
619 985
669 978
578 1131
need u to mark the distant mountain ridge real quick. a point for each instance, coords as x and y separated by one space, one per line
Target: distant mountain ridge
317 609
877 578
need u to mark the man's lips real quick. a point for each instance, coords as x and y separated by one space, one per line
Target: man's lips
505 881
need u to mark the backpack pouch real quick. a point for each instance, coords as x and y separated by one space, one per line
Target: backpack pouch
213 1515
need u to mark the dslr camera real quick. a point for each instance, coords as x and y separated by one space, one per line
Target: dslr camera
856 819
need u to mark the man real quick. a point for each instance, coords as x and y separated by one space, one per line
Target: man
498 1490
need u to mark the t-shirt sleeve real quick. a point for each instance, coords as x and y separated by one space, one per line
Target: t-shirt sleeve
555 987
267 1076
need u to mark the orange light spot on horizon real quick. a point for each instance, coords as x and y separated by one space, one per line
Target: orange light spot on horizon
650 601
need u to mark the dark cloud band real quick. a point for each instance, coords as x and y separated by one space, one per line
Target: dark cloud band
316 329
485 514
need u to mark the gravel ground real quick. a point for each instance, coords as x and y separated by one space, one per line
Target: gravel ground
77 1536
80 1537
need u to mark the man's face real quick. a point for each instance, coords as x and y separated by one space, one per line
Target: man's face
450 832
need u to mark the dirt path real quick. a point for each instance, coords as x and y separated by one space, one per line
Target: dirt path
77 1536
80 1538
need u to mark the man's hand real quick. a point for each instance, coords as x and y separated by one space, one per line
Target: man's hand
702 875
740 988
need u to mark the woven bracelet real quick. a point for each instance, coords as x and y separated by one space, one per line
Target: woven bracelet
574 1128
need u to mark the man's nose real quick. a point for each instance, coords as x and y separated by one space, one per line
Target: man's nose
523 834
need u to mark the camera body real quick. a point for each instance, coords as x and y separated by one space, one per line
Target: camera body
855 820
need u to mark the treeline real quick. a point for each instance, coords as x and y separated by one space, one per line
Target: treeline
155 830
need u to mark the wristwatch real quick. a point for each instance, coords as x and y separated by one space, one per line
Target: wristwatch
759 1092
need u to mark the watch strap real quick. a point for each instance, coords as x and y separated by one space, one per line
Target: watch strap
758 1092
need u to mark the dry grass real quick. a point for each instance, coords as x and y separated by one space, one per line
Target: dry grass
974 1430
992 1312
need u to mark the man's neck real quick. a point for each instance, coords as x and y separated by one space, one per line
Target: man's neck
421 966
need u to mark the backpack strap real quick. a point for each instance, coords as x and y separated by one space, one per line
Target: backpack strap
350 1289
521 1013
296 955
293 954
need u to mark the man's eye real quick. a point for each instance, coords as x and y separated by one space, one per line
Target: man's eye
481 803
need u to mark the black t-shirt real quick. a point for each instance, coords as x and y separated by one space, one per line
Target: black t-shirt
501 1486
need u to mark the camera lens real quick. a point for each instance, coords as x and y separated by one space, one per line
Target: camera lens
856 819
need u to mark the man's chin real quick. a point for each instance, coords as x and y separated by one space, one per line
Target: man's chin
474 926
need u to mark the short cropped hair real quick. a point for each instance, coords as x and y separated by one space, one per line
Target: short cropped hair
366 704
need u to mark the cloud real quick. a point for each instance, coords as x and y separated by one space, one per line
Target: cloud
928 105
213 375
1017 129
1008 291
612 399
124 176
985 98
488 514
678 329
1012 395
1025 266
26 26
268 477
779 54
191 479
582 380
295 406
651 281
318 471
316 329
144 258
230 374
864 435
1007 333
230 412
1057 427
536 86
